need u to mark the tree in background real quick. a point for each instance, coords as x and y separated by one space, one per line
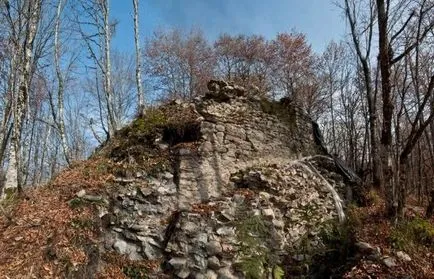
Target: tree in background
23 23
179 64
403 28
140 97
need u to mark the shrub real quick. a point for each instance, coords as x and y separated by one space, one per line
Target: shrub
409 234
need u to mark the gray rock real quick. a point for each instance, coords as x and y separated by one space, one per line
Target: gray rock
183 273
225 273
214 263
129 235
81 193
178 263
268 212
200 261
389 262
201 238
403 256
365 248
211 275
226 231
151 252
124 248
93 198
214 248
121 247
279 224
167 175
189 227
184 151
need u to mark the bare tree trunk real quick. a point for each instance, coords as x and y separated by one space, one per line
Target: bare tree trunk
350 12
112 123
60 115
386 92
14 172
140 97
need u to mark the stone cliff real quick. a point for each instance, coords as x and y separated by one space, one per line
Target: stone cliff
227 186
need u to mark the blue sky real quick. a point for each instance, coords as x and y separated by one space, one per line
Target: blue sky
320 20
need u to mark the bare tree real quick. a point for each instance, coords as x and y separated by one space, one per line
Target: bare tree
387 59
58 117
22 38
93 16
179 64
361 21
140 97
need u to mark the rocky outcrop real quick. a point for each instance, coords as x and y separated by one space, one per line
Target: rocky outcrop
241 189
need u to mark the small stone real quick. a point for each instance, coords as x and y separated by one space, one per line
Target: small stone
226 231
211 274
183 273
264 195
365 248
278 224
207 147
389 262
129 235
184 151
151 252
200 261
81 193
18 238
225 273
403 256
228 214
201 238
214 248
214 263
125 248
92 198
163 146
120 246
116 229
268 212
178 263
189 227
167 175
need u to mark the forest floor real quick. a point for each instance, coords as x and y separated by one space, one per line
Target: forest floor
414 236
47 233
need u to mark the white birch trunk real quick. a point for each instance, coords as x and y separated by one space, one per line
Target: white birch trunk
21 97
60 122
140 97
112 123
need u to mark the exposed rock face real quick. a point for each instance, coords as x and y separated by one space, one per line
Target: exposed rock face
240 196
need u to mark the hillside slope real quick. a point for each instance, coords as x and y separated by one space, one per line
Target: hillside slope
228 186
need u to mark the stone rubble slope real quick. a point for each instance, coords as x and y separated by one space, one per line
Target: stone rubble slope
243 193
